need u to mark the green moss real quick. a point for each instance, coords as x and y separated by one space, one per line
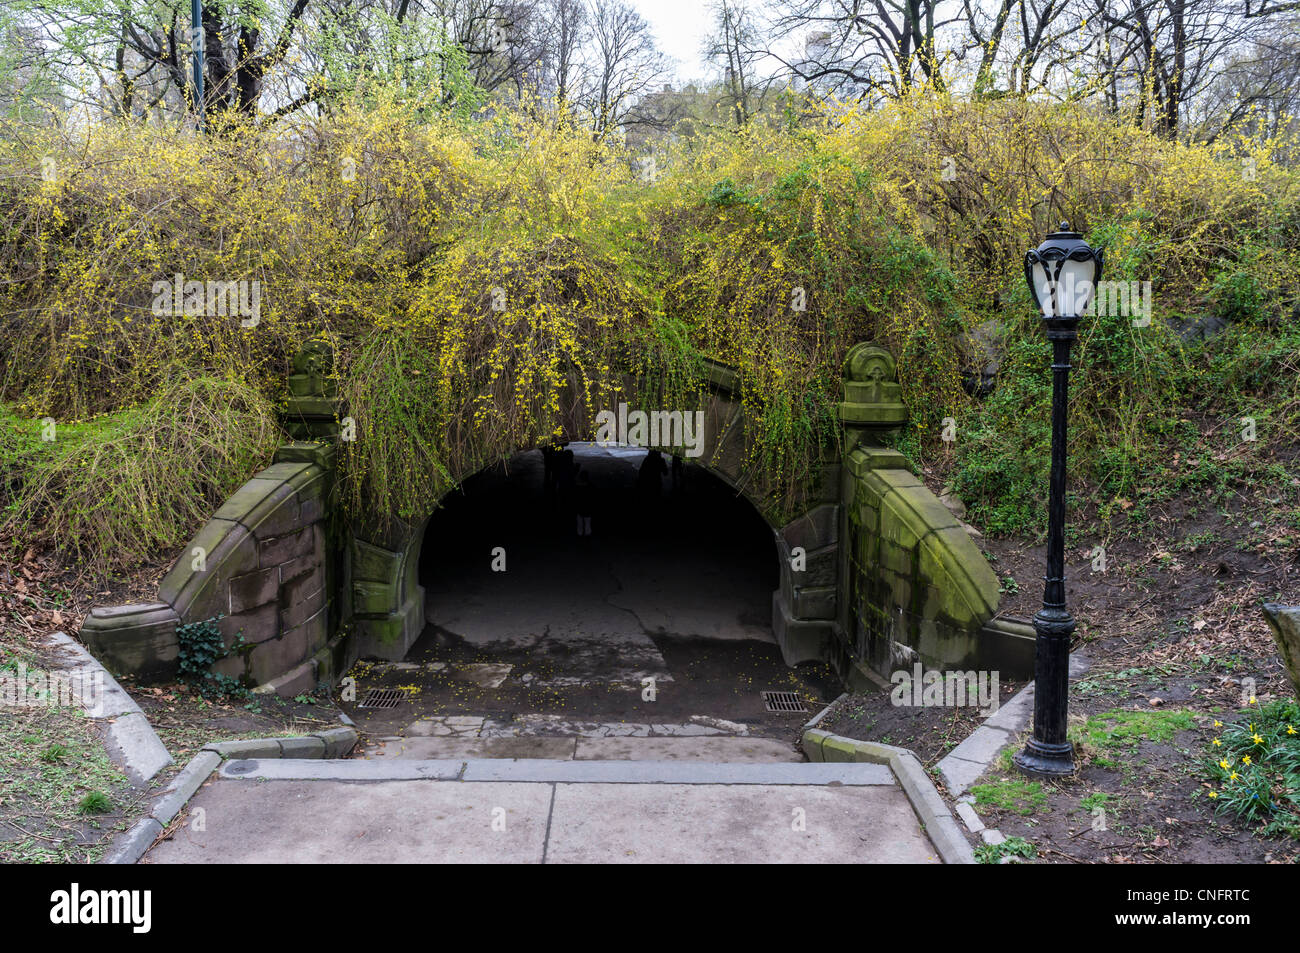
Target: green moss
1123 728
1012 794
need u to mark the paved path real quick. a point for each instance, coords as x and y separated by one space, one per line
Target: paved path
402 810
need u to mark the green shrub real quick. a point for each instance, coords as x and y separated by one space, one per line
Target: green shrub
605 275
123 488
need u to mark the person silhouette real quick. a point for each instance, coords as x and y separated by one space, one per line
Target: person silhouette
582 502
650 481
564 471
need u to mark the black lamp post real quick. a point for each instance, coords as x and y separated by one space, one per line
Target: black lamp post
196 46
1062 273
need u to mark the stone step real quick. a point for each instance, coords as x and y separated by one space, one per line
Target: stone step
716 748
535 725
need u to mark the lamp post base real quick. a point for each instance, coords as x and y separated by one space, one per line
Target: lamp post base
1042 760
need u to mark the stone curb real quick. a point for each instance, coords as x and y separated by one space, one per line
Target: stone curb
553 771
130 739
816 719
963 765
130 846
939 823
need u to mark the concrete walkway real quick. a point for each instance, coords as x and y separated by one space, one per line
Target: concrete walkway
400 810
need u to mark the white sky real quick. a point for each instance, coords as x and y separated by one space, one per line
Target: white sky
679 27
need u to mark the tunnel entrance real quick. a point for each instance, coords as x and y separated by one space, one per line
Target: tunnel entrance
615 589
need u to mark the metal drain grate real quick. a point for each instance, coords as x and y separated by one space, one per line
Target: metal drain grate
783 701
383 698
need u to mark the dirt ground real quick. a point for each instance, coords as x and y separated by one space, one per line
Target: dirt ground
1176 639
930 732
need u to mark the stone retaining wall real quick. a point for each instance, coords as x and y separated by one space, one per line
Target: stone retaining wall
261 565
917 589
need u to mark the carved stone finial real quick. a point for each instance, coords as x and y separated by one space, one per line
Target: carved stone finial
872 397
314 359
866 362
312 406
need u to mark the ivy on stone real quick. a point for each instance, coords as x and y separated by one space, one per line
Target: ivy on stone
201 645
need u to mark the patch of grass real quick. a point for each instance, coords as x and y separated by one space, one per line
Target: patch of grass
1124 727
1110 736
1102 683
1097 799
96 802
61 797
1194 541
55 752
1017 795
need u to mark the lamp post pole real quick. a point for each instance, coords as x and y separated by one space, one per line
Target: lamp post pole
1048 753
1062 275
196 46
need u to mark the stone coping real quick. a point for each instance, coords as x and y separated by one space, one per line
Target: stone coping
964 764
936 819
554 771
960 768
129 738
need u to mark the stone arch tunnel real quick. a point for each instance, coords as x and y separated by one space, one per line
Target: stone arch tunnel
669 580
874 575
